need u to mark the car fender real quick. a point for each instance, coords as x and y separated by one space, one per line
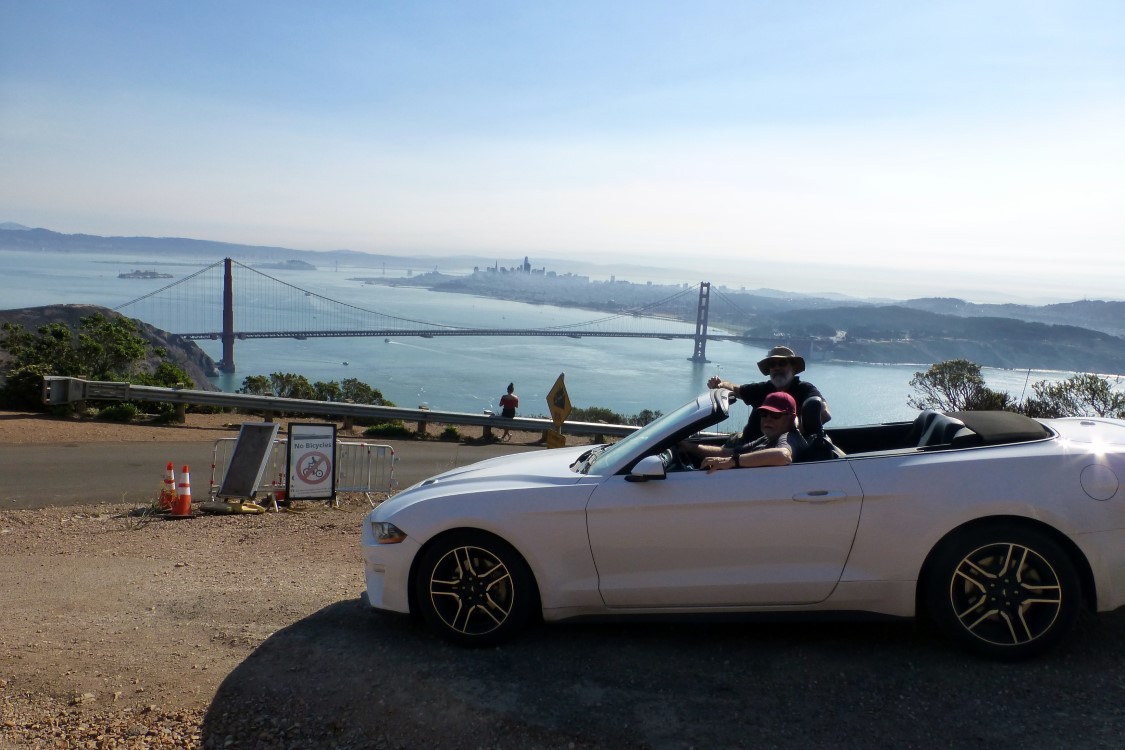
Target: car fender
548 531
913 501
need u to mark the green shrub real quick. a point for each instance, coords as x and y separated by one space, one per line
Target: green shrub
389 430
24 387
166 415
123 412
595 414
450 433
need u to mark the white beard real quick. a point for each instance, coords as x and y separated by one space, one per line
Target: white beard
780 381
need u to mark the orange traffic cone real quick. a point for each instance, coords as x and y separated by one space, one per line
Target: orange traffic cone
182 507
168 492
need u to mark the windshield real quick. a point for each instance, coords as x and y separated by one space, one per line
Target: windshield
639 441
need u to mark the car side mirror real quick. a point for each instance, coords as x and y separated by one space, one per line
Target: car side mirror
649 467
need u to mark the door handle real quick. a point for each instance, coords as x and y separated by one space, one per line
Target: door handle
820 496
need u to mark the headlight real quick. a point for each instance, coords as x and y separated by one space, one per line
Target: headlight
387 533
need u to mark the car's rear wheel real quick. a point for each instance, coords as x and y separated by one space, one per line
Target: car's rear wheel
1002 592
474 589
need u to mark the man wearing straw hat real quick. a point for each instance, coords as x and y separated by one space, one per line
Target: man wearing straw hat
781 365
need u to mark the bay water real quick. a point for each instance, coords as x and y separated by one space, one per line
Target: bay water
469 374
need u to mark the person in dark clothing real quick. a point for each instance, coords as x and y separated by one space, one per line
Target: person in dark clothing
508 403
779 445
782 366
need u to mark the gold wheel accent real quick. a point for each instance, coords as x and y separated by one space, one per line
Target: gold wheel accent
1005 594
471 591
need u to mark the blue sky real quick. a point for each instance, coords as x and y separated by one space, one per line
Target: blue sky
875 148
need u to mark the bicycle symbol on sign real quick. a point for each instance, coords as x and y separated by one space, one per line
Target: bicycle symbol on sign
313 468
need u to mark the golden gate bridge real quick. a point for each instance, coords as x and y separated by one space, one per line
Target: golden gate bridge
202 306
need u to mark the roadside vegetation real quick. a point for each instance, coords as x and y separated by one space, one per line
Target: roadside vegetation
100 348
608 416
290 385
957 385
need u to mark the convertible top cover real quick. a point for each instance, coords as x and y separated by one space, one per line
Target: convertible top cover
998 427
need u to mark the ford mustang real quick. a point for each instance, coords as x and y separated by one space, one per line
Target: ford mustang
998 528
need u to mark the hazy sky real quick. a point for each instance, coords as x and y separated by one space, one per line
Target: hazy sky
888 148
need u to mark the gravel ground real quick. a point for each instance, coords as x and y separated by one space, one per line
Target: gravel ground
125 631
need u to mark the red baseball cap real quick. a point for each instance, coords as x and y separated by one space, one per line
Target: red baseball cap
780 402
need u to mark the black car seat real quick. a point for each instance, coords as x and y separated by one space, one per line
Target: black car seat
818 446
942 431
921 423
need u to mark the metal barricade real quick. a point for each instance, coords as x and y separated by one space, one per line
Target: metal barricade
360 467
365 467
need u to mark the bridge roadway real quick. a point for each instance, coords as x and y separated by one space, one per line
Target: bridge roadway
428 333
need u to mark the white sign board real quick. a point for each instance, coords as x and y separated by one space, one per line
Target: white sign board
311 461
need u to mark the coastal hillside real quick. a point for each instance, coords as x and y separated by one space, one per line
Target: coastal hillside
899 334
1098 315
182 352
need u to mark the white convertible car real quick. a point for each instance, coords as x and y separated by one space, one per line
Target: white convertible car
997 527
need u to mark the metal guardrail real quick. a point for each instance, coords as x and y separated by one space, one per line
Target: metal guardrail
59 390
360 467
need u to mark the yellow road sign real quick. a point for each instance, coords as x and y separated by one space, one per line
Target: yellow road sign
558 401
555 439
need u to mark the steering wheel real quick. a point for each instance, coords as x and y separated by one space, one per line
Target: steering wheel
674 459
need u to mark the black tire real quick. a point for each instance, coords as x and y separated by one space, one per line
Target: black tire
1004 592
473 589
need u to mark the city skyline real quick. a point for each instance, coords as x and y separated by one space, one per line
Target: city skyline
866 148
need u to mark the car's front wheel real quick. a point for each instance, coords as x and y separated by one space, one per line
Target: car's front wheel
1004 593
474 589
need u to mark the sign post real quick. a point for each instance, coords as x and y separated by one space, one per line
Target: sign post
311 461
558 401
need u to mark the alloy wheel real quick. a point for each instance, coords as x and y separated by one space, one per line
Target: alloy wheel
1006 594
471 590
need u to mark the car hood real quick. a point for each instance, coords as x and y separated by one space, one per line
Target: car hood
536 468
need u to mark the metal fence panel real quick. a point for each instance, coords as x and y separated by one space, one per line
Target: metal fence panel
360 467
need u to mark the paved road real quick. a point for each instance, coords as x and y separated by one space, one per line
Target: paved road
37 476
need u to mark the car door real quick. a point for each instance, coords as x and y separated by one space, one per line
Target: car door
740 537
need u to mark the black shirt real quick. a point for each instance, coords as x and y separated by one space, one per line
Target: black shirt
755 393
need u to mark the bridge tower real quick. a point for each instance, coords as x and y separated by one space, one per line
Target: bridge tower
700 353
227 362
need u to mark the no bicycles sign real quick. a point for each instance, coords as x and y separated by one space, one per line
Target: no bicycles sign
311 461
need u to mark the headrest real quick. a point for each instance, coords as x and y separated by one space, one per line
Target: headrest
811 410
